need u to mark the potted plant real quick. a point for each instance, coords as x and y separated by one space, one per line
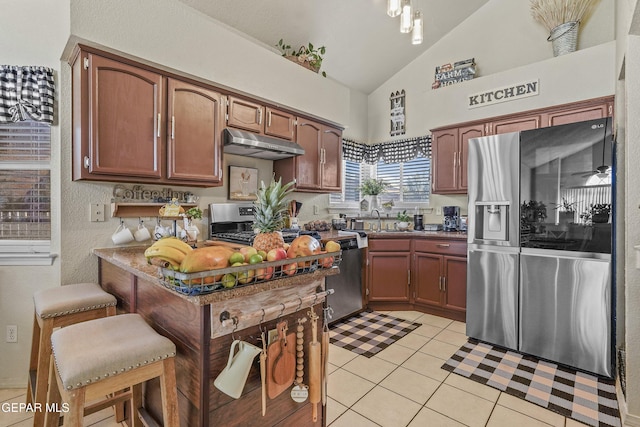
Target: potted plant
566 211
403 220
600 213
191 231
308 56
373 188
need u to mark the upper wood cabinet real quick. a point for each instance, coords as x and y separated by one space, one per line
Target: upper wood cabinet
280 124
243 114
194 149
449 144
121 132
578 114
450 147
319 169
253 117
117 111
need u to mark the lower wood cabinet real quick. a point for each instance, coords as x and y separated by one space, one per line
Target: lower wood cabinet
390 276
419 274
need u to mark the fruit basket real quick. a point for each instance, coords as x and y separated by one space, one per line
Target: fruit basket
223 279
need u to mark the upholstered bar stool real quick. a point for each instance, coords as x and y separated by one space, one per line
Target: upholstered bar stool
93 359
54 308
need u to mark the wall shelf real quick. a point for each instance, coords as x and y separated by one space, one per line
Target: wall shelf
137 210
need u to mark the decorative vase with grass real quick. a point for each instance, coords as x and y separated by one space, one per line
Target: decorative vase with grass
562 19
372 188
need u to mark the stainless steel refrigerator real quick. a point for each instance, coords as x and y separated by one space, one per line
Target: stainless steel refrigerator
539 253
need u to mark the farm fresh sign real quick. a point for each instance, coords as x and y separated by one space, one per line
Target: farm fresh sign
507 93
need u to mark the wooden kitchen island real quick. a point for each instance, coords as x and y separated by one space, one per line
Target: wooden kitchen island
203 341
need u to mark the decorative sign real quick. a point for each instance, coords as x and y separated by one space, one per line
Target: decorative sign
397 113
139 194
460 71
507 93
243 183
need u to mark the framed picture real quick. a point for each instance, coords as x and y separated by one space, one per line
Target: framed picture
243 183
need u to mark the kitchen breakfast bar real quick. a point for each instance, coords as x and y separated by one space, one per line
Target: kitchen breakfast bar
204 338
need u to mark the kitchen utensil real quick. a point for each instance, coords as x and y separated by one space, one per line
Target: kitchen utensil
233 377
285 362
325 355
314 365
300 391
273 351
263 373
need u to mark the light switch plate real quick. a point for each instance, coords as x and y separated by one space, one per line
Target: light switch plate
96 212
438 210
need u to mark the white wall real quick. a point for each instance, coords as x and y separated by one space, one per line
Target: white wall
33 33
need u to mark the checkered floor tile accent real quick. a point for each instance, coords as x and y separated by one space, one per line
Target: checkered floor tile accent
367 333
583 397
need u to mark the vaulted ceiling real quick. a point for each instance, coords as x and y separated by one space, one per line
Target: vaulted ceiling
364 46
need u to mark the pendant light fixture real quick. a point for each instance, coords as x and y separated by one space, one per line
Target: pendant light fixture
393 8
417 32
406 17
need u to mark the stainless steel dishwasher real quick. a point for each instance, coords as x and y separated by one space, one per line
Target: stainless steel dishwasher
348 297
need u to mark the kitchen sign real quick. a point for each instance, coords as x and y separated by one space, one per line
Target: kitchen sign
507 93
398 117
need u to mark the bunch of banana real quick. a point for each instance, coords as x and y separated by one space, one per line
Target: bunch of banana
169 250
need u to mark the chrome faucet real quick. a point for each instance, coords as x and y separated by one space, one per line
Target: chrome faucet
379 219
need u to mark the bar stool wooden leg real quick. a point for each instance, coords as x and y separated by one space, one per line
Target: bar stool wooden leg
42 373
54 399
169 393
33 359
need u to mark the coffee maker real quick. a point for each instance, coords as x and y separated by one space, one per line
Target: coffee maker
451 218
417 222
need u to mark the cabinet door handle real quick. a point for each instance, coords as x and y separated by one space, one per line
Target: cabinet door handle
444 284
87 162
173 127
408 277
454 159
440 283
443 245
269 119
259 115
158 125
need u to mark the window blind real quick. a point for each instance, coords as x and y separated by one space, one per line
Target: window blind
25 181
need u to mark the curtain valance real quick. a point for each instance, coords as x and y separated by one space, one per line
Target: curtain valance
26 93
397 151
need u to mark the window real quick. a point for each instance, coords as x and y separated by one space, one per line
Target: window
25 189
409 182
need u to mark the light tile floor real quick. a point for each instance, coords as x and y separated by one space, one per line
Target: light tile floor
402 386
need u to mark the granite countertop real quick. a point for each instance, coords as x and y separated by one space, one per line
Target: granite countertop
132 260
447 235
395 234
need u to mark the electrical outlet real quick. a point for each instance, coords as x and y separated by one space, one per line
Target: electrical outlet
12 333
96 212
438 210
316 209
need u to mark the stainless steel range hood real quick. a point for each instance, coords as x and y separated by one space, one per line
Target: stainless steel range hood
263 147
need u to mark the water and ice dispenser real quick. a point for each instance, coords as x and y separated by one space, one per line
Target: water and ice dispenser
493 221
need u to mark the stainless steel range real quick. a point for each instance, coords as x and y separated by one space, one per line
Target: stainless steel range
232 222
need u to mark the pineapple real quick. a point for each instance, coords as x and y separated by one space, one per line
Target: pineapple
269 211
